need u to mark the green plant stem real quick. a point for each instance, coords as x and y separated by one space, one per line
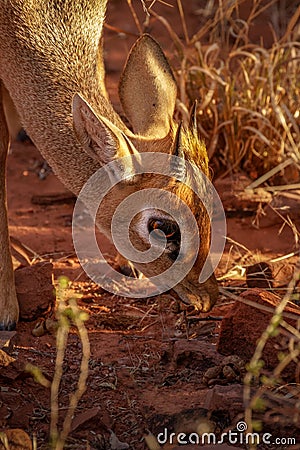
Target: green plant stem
81 386
61 343
254 363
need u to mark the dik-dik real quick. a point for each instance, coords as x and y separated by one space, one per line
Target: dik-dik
51 62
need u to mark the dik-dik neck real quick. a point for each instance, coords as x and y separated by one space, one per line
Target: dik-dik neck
45 58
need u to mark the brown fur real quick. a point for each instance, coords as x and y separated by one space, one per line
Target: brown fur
51 50
9 309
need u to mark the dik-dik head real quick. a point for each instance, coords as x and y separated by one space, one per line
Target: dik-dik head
158 207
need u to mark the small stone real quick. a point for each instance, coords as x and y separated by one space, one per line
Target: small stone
212 373
5 359
7 340
230 374
243 326
259 275
35 291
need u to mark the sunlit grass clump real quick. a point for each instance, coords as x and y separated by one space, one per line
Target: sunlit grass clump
248 93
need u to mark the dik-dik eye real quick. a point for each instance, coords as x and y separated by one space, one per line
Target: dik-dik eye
163 227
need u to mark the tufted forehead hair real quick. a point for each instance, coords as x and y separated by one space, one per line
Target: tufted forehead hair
194 149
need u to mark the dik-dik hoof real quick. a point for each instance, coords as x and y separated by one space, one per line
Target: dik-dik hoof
202 296
9 313
23 137
129 271
126 267
8 325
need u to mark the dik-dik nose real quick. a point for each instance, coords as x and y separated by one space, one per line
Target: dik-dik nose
202 296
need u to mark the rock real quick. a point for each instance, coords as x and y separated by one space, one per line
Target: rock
43 327
11 371
259 275
243 325
285 202
84 417
225 398
230 370
168 429
266 275
7 340
193 354
5 359
239 201
35 291
219 409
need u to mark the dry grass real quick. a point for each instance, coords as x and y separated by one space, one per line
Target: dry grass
68 314
249 114
248 94
272 392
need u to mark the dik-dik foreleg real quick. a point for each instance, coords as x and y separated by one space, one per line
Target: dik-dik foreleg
9 309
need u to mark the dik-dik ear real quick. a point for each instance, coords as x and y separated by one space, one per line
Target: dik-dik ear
99 137
148 89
